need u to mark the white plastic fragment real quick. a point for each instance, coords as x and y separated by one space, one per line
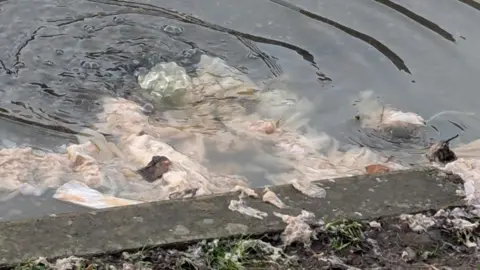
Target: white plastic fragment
245 190
166 80
375 115
375 224
418 222
241 207
272 198
309 189
297 229
25 189
78 193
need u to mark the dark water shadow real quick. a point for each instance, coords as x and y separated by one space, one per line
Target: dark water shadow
417 18
392 56
472 3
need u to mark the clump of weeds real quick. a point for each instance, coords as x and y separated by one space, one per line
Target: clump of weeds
344 233
30 265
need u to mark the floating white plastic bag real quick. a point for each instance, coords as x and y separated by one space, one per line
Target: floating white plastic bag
78 193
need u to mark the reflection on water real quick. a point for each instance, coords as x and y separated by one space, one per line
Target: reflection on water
60 59
23 207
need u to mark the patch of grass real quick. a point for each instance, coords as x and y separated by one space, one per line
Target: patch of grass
241 253
228 255
30 265
343 233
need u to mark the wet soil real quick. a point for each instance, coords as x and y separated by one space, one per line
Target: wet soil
385 243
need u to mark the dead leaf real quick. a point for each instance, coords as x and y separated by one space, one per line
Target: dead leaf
376 168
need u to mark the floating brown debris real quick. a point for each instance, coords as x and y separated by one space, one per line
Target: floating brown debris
377 168
440 152
155 169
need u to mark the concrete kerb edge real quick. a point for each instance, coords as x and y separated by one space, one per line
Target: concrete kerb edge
69 234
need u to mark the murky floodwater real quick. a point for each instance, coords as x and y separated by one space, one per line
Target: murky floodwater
59 58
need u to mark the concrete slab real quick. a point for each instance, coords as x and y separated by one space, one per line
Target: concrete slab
187 220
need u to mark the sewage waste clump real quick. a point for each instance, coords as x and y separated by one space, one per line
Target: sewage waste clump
215 104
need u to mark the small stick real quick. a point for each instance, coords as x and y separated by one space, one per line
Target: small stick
452 138
381 115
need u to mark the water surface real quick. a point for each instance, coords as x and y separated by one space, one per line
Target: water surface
58 57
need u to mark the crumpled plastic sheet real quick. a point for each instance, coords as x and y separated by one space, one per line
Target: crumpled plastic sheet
309 189
272 198
79 193
241 207
374 115
418 222
297 230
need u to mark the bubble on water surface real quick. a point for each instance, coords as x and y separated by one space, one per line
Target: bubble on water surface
19 65
172 29
118 19
140 71
89 28
189 57
189 53
90 65
147 108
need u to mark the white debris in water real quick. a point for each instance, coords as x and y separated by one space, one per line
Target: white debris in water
100 164
374 115
309 189
19 166
418 222
272 198
241 207
297 229
78 193
166 80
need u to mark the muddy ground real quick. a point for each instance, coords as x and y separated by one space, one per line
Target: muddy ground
445 241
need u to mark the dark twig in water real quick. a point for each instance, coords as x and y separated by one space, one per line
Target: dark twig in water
451 139
381 115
